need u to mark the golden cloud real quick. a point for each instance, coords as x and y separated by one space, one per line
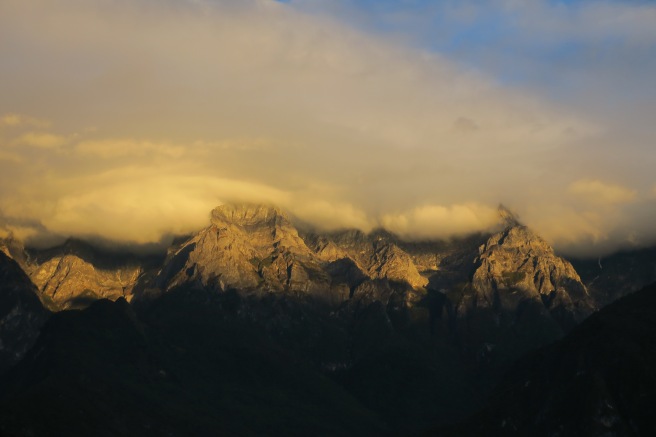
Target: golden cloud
331 215
15 120
142 207
197 103
41 140
603 193
566 226
115 148
438 221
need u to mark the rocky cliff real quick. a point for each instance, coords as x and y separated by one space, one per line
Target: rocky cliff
257 247
516 266
377 255
70 281
246 247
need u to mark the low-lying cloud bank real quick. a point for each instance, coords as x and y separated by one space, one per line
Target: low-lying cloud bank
131 120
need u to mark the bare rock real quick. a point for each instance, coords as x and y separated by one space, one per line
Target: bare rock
517 265
246 247
69 280
377 255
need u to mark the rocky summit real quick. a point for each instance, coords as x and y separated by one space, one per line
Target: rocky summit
258 248
516 266
497 295
256 325
377 255
76 273
246 247
70 281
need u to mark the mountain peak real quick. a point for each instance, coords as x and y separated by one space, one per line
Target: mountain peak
517 264
516 237
247 214
508 218
247 247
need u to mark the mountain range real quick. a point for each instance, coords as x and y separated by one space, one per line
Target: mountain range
258 325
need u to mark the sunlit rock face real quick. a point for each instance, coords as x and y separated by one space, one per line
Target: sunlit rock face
516 266
21 313
376 254
70 281
252 247
257 247
497 296
246 247
76 273
512 274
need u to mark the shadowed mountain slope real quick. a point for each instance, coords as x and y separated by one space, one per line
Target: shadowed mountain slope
183 368
21 313
599 380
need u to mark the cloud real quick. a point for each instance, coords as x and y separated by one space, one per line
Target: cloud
601 192
13 120
41 140
133 206
9 157
576 231
332 215
331 116
465 125
116 148
548 46
22 230
437 221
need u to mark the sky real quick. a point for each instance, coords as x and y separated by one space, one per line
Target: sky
129 120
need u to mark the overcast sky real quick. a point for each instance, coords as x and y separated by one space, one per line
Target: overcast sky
131 119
